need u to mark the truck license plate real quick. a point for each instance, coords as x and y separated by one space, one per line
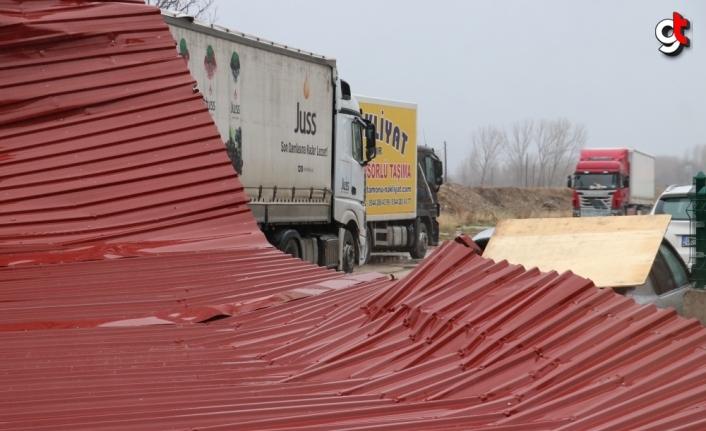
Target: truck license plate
688 241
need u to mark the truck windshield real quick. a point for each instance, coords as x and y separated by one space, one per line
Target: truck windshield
595 181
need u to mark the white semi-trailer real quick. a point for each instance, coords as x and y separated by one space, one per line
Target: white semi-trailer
294 134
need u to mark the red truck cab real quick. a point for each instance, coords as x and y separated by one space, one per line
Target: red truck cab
601 182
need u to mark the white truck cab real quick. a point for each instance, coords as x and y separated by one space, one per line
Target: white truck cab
349 171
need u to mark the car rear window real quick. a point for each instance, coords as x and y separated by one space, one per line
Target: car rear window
676 207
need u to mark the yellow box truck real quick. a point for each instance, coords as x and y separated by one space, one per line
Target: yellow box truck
401 182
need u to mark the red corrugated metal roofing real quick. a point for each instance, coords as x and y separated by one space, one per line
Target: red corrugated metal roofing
462 342
105 149
106 153
192 287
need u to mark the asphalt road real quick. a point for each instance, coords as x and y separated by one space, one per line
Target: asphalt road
397 264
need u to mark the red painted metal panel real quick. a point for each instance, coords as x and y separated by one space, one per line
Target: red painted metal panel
106 149
518 350
137 293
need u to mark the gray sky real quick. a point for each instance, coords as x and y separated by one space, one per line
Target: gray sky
468 64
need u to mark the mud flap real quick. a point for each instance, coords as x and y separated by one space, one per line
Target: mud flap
434 233
341 235
362 249
412 241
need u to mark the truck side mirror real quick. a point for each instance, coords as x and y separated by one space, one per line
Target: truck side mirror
370 149
626 181
568 181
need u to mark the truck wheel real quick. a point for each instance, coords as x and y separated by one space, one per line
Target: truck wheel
292 247
420 246
348 252
289 243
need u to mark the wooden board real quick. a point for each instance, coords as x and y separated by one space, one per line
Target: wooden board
611 251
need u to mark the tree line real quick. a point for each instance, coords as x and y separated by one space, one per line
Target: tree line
680 169
542 154
525 154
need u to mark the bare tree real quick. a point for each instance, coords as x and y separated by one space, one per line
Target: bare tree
517 149
668 170
697 161
558 145
565 144
701 160
203 9
543 142
558 141
486 146
680 170
529 169
577 141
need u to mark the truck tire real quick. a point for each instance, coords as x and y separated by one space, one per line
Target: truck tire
420 244
289 244
348 252
292 247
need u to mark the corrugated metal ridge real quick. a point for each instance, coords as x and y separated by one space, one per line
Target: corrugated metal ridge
106 150
514 349
172 288
629 343
461 342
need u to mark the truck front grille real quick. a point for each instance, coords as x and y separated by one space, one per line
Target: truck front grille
595 200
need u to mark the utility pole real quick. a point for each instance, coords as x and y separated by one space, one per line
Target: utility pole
446 166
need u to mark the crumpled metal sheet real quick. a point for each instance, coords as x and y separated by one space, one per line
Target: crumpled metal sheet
178 288
461 342
106 150
106 340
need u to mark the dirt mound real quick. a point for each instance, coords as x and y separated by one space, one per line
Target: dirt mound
506 202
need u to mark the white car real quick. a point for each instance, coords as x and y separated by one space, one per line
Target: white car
675 201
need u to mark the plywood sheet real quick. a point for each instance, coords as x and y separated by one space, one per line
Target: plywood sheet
611 251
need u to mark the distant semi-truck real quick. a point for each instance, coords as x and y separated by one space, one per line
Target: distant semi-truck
295 136
612 181
402 182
